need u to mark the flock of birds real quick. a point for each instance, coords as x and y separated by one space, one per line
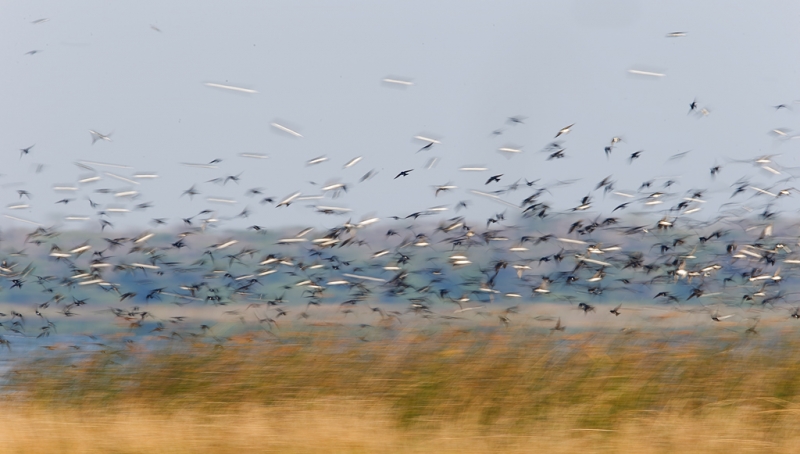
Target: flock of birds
433 265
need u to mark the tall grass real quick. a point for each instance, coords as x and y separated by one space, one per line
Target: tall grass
447 390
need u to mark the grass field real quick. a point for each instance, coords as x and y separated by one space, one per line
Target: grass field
445 390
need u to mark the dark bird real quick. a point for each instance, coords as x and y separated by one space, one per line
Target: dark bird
494 178
24 151
404 173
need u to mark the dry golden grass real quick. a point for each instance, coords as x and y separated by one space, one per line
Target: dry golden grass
355 427
442 391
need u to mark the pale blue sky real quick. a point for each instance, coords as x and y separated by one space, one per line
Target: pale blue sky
317 66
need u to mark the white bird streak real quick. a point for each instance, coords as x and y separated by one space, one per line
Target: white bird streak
230 87
492 196
227 244
368 278
353 162
289 199
596 262
103 164
568 240
399 82
762 191
285 129
144 238
645 73
22 220
127 180
318 160
145 265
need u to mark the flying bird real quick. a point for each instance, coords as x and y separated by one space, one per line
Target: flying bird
494 178
24 151
565 130
97 136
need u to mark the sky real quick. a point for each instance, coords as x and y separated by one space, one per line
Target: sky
137 71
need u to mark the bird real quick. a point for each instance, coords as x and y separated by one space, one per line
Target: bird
191 192
718 318
404 173
98 136
494 178
24 151
565 130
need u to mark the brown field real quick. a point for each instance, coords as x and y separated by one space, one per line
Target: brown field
448 390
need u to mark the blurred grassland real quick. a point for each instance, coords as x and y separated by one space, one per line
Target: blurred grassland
453 390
